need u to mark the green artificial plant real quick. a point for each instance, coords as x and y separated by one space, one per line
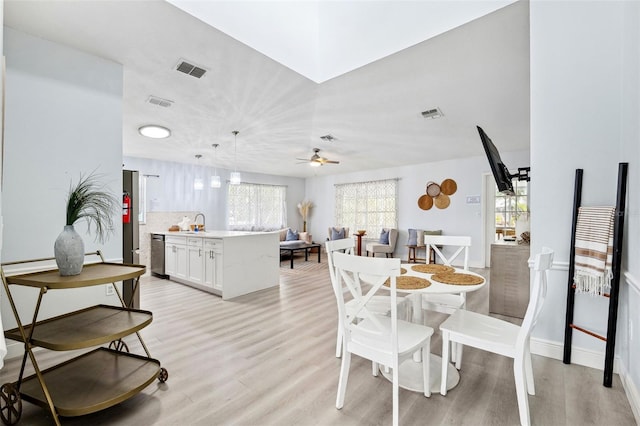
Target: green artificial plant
89 200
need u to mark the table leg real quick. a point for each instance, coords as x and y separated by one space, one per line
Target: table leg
319 250
306 254
291 254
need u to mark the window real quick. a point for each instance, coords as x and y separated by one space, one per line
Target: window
256 207
509 207
367 205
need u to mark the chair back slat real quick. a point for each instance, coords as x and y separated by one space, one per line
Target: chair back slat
345 245
461 245
350 271
541 265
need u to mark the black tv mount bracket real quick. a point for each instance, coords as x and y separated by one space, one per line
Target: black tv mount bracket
523 174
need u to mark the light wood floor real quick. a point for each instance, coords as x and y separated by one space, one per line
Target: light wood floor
269 359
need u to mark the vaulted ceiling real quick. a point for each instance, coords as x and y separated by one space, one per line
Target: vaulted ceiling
366 82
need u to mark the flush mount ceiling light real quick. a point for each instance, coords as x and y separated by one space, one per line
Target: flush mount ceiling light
234 177
215 179
198 183
154 131
432 113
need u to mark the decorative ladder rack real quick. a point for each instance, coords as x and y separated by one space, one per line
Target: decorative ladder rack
610 338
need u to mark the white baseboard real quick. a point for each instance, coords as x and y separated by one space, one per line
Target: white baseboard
580 356
633 395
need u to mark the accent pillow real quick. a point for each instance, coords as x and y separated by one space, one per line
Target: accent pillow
337 234
291 235
384 237
413 237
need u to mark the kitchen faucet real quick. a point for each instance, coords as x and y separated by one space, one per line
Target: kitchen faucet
195 220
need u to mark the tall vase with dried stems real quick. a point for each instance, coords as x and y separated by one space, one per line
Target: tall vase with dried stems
90 201
304 207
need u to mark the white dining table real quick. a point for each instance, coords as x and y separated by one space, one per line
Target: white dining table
410 370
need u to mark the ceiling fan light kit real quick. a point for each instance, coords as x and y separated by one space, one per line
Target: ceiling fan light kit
316 160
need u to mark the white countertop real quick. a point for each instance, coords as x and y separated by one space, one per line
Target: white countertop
210 234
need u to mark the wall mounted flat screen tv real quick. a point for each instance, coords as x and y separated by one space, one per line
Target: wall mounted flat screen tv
500 171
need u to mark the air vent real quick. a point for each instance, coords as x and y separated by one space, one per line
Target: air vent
432 113
192 70
328 138
165 103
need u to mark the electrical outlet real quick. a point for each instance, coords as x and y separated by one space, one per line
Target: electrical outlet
108 290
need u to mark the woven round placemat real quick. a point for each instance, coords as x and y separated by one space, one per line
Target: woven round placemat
408 282
457 278
432 268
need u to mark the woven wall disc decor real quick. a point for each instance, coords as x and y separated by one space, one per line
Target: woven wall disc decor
425 202
438 194
433 189
449 187
442 201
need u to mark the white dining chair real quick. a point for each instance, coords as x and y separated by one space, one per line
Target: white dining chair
378 303
385 340
502 337
455 247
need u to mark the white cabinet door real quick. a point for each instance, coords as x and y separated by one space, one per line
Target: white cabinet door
195 258
181 261
213 264
170 259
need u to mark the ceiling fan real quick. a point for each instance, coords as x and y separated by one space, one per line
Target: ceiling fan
316 160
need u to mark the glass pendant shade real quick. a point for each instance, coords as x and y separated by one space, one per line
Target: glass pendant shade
234 178
198 184
215 182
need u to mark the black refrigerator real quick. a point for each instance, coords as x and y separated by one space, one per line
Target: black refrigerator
130 232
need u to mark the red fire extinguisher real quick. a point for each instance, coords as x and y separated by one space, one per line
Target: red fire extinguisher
126 208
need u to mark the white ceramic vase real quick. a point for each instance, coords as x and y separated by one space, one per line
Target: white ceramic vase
69 251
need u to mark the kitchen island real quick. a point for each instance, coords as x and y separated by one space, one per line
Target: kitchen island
226 263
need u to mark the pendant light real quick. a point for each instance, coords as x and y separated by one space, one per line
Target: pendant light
198 183
215 179
234 178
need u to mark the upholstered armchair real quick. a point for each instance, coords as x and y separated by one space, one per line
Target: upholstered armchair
386 244
338 232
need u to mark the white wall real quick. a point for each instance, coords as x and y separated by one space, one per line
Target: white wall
584 114
173 190
459 218
63 118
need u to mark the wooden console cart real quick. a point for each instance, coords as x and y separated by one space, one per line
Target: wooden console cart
95 380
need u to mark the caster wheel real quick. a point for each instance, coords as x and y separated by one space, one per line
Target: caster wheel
119 346
163 375
10 404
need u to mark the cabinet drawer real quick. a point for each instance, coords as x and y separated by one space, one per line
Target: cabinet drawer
172 239
210 244
194 241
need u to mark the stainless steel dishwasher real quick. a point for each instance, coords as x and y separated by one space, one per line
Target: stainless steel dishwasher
157 255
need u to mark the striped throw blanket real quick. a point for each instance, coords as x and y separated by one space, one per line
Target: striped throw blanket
594 249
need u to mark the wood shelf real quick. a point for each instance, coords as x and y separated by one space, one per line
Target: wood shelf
88 327
92 382
92 274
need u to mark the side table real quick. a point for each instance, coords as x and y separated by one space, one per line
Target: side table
359 243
